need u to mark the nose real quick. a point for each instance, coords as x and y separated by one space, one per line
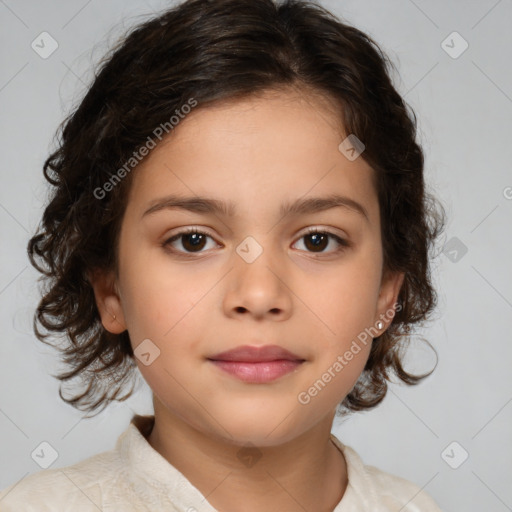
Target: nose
260 289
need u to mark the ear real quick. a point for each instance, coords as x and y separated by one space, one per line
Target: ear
389 290
108 300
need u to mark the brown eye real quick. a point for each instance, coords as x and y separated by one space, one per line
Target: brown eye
192 241
317 241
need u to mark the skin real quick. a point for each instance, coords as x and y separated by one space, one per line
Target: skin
313 303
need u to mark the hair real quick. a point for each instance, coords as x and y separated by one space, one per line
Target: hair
214 52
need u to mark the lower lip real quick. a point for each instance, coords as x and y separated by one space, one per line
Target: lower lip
258 372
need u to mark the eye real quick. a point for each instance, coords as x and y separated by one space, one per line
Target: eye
191 239
317 240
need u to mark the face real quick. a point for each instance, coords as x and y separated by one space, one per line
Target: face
253 274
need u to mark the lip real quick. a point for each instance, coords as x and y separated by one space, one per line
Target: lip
258 373
251 354
257 364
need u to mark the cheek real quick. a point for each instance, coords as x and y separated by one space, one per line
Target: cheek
346 305
168 311
344 301
170 305
161 305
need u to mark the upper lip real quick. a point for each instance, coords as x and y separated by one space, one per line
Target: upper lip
251 354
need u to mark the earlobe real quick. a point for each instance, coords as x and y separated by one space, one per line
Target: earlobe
108 300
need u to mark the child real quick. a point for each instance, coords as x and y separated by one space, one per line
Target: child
239 212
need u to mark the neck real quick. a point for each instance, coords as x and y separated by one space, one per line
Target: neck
306 473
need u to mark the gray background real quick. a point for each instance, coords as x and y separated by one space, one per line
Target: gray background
464 105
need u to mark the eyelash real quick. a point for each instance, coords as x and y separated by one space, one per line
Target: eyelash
344 244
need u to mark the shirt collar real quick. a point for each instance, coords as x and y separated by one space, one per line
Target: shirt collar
360 493
147 470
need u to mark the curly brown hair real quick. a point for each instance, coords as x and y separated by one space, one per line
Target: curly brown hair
216 51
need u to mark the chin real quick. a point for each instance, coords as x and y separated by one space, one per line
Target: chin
264 430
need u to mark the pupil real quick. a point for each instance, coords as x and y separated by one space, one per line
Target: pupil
196 241
318 240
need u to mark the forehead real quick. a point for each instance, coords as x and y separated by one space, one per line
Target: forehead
264 113
259 150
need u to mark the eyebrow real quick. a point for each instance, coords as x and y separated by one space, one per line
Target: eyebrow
197 204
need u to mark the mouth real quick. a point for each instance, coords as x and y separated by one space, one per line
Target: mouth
252 354
257 364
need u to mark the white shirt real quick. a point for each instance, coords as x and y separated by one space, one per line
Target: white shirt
134 477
